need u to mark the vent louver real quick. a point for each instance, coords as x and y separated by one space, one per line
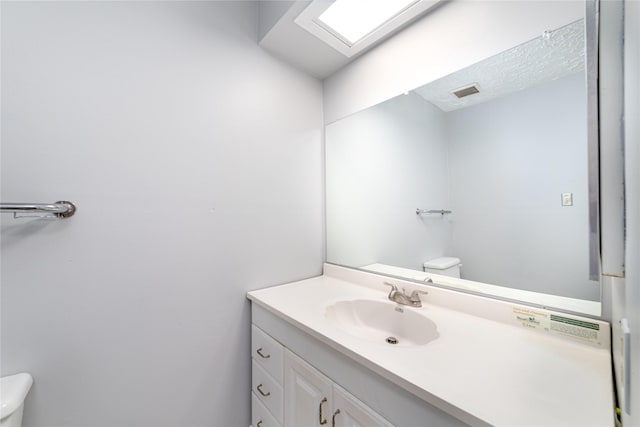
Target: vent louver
466 91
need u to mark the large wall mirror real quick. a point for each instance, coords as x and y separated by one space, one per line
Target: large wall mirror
488 165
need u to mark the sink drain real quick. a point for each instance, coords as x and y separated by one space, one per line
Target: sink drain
392 340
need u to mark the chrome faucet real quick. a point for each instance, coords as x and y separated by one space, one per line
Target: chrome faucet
401 297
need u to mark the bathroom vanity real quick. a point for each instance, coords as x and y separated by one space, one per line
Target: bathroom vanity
333 350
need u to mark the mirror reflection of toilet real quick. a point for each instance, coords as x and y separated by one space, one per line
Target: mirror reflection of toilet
14 390
444 266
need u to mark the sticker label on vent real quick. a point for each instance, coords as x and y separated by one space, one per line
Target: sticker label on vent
558 325
530 318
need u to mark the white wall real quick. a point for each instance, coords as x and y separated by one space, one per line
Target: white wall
507 175
195 161
382 164
447 39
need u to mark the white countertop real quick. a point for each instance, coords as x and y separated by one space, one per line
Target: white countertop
483 369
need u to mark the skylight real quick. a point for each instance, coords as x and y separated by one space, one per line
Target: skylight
354 19
351 26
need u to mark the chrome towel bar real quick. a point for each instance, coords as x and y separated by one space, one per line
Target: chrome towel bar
432 211
60 209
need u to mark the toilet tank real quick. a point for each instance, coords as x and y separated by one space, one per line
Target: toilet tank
445 266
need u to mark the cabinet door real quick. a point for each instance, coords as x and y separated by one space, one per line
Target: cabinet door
350 412
307 394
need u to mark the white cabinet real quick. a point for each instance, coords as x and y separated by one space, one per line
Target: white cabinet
267 352
306 393
288 391
266 380
363 397
350 412
313 400
267 390
260 415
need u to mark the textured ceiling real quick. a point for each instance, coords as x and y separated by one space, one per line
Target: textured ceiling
551 56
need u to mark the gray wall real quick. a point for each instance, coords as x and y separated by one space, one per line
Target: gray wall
270 13
195 161
382 164
510 160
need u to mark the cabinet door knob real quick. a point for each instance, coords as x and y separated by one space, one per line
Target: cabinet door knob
262 392
259 423
264 356
320 416
333 418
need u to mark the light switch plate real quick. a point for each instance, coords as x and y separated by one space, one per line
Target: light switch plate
567 199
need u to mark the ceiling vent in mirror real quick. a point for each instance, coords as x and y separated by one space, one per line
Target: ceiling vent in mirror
349 26
466 91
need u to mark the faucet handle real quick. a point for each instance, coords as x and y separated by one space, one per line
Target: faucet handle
415 294
393 291
393 287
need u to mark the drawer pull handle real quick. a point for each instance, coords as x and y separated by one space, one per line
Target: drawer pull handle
322 422
264 356
262 392
259 423
333 419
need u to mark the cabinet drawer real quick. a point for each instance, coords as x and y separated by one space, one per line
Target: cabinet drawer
267 352
260 416
267 390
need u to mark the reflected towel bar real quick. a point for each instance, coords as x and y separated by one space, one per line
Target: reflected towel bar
60 209
432 211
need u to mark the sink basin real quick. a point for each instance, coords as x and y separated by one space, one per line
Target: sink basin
382 322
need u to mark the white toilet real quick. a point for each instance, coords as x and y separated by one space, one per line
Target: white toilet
444 266
14 389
